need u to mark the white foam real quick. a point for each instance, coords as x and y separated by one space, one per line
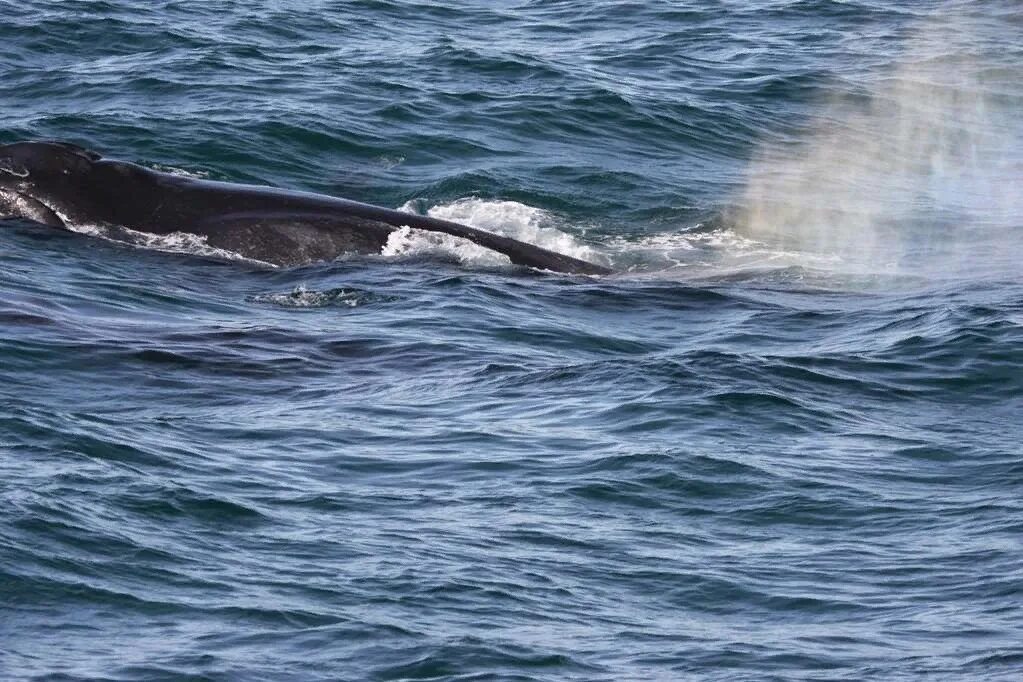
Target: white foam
695 251
406 241
510 219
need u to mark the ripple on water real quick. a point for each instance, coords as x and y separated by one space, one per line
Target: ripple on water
776 448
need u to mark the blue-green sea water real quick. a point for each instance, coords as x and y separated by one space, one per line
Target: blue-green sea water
782 442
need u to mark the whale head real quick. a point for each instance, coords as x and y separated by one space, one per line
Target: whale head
44 181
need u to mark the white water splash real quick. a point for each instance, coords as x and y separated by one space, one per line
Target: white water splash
700 253
406 242
507 218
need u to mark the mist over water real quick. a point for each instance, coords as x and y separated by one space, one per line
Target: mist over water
916 170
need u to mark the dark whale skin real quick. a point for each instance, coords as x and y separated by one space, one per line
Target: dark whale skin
276 226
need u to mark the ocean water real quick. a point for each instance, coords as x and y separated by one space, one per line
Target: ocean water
782 442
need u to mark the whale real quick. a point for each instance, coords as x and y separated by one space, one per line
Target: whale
64 185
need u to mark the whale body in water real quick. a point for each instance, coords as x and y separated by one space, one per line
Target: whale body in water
61 184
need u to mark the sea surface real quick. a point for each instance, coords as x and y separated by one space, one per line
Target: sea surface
784 441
